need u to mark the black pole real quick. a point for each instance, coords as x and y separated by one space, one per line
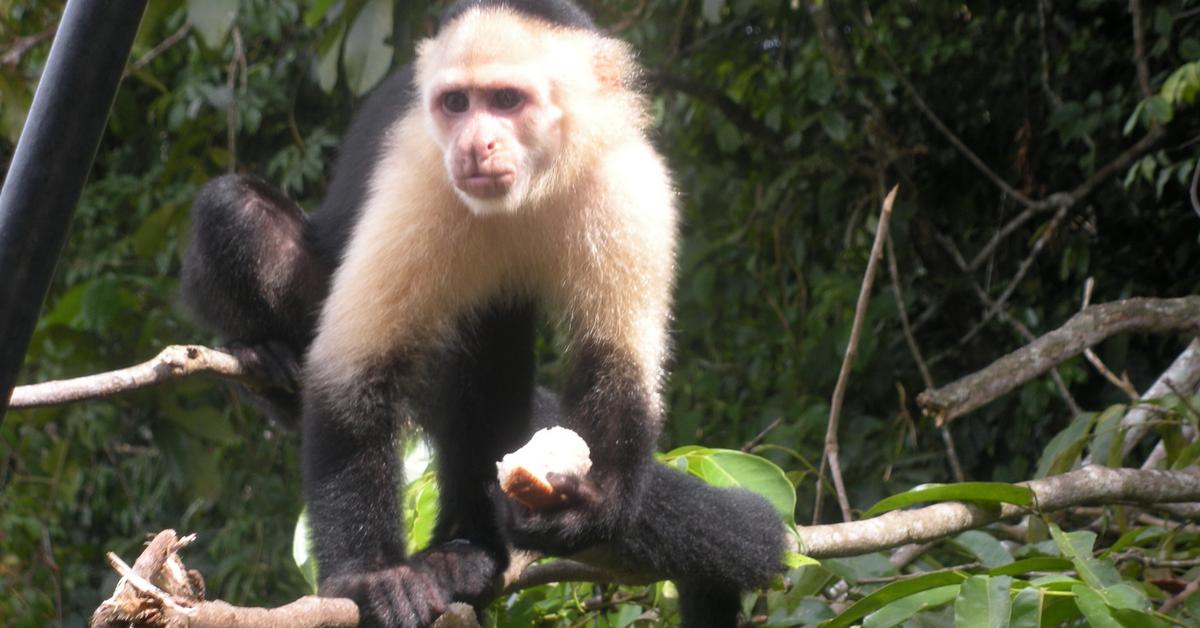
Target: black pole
51 163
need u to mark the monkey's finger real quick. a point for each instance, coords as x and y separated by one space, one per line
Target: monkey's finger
576 489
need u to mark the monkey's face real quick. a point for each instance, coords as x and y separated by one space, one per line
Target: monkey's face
489 86
498 139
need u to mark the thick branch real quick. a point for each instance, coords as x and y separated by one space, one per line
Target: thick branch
173 362
1089 485
1085 329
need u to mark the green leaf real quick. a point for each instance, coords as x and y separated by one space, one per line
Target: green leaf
1040 563
67 309
711 10
151 235
984 547
367 55
793 560
103 302
1159 109
729 140
836 126
316 12
1125 596
989 492
1099 611
903 609
892 593
1107 438
731 468
204 477
329 52
1077 546
1181 86
983 601
302 554
1074 545
212 19
1027 608
1131 122
206 422
420 510
1063 450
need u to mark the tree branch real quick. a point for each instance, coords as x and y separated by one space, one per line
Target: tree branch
173 362
22 45
1089 485
1083 330
736 113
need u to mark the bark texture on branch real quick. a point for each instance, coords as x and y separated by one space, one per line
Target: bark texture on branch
172 362
1089 485
1085 329
1184 376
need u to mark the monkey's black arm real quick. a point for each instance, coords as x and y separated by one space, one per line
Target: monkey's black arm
608 405
351 473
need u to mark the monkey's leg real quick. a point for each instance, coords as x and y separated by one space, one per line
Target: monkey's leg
250 276
480 410
248 273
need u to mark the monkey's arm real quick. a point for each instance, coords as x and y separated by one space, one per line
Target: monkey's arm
607 404
351 479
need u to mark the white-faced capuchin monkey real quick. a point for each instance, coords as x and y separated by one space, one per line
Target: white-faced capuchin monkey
506 175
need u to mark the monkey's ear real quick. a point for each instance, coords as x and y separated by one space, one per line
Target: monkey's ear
613 64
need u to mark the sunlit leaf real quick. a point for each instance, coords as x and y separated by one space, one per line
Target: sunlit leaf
990 492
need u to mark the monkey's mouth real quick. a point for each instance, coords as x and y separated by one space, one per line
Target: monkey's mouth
486 185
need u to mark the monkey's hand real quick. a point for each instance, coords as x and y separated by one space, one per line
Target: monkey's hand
584 517
404 596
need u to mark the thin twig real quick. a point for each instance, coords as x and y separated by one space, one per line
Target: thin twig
910 576
1195 190
629 19
1180 598
1184 398
839 391
1059 199
913 348
947 438
23 45
738 115
238 61
1122 382
998 305
1139 49
163 46
1155 562
753 442
1005 318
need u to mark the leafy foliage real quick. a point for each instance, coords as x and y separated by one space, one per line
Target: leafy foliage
784 123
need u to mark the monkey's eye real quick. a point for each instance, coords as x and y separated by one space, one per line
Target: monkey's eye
455 102
507 99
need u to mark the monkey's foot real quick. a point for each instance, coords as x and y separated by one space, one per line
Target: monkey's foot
466 571
403 596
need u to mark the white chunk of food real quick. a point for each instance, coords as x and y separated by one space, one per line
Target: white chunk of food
523 472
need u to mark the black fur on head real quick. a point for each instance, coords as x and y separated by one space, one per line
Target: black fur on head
561 12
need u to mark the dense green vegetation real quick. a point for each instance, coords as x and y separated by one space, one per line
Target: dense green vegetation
785 123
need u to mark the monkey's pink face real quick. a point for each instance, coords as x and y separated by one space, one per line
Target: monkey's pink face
497 139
